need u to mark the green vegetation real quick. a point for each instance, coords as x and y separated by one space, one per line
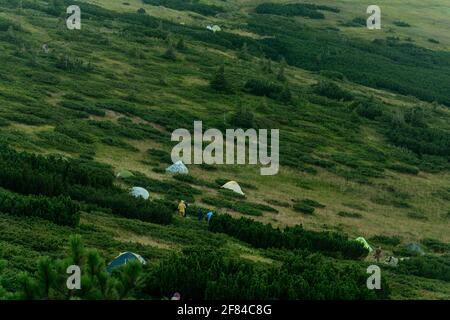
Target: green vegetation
295 9
364 131
194 6
265 236
347 214
205 274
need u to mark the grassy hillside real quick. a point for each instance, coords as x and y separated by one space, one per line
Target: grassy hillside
364 137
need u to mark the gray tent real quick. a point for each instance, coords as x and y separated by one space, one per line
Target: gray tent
414 248
139 192
178 167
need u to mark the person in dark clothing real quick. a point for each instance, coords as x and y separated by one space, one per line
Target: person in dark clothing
377 254
200 214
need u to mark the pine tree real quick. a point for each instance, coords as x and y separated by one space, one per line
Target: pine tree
180 45
46 276
285 95
170 53
220 83
269 66
243 53
76 249
128 278
281 76
243 118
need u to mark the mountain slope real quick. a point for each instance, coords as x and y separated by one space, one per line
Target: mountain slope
375 161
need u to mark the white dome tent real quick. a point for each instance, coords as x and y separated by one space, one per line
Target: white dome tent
139 192
233 186
178 167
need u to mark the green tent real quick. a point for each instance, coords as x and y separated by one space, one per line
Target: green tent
364 243
123 259
216 28
125 174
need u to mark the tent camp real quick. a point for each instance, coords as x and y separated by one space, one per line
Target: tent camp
414 248
178 167
123 259
364 243
139 192
124 174
233 186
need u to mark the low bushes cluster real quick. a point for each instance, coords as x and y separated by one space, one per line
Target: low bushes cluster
201 273
265 236
60 210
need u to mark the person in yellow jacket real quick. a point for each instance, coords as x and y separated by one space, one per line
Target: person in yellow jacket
182 208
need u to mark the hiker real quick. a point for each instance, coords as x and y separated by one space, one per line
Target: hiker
200 214
186 211
377 254
209 215
182 208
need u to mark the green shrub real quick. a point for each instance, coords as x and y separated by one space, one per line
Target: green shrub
303 208
347 214
403 24
312 203
124 204
82 106
436 245
195 6
404 169
386 240
59 210
265 236
115 142
356 22
239 206
333 75
243 119
432 267
204 274
417 215
295 9
220 82
332 91
430 141
278 203
195 181
368 109
160 155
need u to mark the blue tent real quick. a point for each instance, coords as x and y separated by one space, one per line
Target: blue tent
123 259
178 167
